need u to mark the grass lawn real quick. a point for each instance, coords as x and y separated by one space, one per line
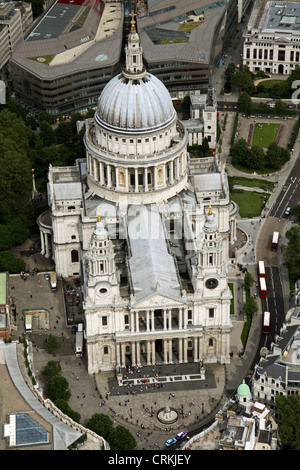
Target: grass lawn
264 134
250 202
250 182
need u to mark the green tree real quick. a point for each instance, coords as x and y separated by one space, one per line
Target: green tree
44 116
244 102
291 253
51 369
11 264
63 132
18 230
67 410
280 107
288 415
47 134
295 211
250 306
58 388
5 238
256 158
51 344
101 424
121 438
248 281
240 152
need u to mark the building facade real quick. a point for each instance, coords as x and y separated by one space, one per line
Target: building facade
149 240
271 39
278 373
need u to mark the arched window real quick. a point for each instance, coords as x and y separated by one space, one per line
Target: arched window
74 256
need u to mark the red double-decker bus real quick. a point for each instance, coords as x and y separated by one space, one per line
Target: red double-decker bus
261 269
266 323
262 288
275 239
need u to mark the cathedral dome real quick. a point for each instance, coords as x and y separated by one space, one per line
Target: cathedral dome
135 101
139 104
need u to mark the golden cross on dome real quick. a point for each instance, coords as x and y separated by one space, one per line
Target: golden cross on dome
132 14
99 218
209 211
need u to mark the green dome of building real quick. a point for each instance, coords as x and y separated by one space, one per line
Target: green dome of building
243 389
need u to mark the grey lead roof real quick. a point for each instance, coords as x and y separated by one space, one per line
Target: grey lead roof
152 268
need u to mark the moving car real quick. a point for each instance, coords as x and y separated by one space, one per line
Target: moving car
181 435
287 211
171 441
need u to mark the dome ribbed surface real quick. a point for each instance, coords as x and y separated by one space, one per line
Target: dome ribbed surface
142 104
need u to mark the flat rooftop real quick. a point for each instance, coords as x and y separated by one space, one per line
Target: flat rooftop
73 35
283 17
54 23
180 31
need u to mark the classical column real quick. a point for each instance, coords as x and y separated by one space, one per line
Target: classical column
118 354
146 179
153 352
165 318
138 350
147 321
171 172
126 179
148 353
133 353
185 350
170 351
152 321
195 349
170 318
47 254
117 176
123 362
180 350
165 351
137 329
180 318
131 322
101 176
136 180
42 242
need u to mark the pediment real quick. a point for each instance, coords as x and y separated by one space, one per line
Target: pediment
157 300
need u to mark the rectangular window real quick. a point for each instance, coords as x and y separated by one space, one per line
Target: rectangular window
211 312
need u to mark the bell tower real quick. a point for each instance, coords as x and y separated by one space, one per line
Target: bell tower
100 266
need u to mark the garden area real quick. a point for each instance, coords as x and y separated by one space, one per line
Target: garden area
265 133
250 203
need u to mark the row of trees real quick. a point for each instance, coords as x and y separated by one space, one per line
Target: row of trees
28 144
243 80
255 158
291 251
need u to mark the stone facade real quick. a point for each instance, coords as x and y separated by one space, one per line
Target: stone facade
147 230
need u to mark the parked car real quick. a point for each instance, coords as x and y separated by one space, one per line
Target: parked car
46 277
171 442
74 330
181 435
